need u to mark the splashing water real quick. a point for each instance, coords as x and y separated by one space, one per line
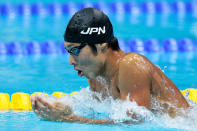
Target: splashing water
85 104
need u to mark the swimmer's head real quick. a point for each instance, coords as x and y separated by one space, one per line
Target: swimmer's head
90 26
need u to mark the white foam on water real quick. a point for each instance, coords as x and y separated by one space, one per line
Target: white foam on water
85 104
186 122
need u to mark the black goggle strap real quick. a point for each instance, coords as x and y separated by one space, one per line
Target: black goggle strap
82 45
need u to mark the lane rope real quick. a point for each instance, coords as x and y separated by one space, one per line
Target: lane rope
134 45
21 101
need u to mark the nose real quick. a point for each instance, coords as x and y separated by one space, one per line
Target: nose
72 60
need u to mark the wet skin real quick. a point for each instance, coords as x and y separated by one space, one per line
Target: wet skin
117 74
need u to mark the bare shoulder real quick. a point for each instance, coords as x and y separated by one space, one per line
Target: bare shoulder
134 57
135 61
134 69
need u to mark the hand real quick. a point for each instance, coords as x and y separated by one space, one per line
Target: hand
48 111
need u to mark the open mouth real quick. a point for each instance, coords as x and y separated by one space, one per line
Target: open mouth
80 73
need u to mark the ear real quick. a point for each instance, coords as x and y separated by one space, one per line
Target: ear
101 47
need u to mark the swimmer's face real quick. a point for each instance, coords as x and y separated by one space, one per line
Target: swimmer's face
84 60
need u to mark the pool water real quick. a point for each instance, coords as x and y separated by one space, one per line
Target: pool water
52 73
29 121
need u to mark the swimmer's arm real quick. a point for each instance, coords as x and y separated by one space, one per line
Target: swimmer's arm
60 112
79 119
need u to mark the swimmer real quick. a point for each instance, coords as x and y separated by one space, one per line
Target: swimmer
95 54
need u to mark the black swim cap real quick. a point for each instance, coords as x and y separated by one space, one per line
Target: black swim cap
89 25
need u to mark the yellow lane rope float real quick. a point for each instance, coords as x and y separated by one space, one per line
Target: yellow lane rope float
21 101
190 93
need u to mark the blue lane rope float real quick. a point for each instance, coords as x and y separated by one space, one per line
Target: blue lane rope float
134 45
148 7
24 9
170 45
179 6
186 45
152 45
50 47
162 7
15 48
62 48
3 49
21 101
113 7
33 48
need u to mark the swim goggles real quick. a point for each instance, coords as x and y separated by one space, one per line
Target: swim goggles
75 50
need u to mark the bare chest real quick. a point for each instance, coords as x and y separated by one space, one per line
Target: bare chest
106 88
